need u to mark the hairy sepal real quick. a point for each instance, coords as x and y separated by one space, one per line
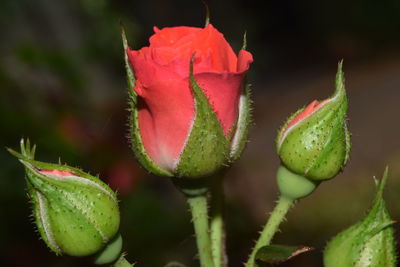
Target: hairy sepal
207 148
241 135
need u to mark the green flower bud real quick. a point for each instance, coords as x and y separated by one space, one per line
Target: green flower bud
315 142
76 213
369 243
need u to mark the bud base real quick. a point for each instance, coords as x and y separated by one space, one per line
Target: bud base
294 186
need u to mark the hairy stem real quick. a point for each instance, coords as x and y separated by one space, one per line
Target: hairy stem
277 216
217 233
199 210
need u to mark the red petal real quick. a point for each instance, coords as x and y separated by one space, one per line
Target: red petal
166 111
170 35
245 58
57 172
307 111
173 43
223 92
224 89
311 108
210 39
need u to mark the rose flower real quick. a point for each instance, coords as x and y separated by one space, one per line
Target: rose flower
177 130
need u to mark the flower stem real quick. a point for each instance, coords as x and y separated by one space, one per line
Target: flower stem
199 210
277 216
217 233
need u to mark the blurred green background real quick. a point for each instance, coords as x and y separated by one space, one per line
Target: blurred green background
62 84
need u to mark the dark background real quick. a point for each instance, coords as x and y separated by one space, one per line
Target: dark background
62 84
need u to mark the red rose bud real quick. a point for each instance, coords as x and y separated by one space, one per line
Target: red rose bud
190 106
76 213
315 142
369 242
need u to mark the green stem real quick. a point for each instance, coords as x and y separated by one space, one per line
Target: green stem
272 226
199 210
122 262
217 233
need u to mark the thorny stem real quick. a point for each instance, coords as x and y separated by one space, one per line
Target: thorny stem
277 216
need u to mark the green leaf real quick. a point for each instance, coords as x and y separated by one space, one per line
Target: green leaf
207 148
279 253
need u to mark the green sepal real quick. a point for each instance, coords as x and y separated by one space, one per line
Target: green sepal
281 131
77 214
207 149
369 243
130 78
241 135
318 146
134 132
273 254
28 153
47 237
244 43
208 14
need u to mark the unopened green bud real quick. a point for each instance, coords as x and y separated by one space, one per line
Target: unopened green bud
76 213
369 243
315 142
